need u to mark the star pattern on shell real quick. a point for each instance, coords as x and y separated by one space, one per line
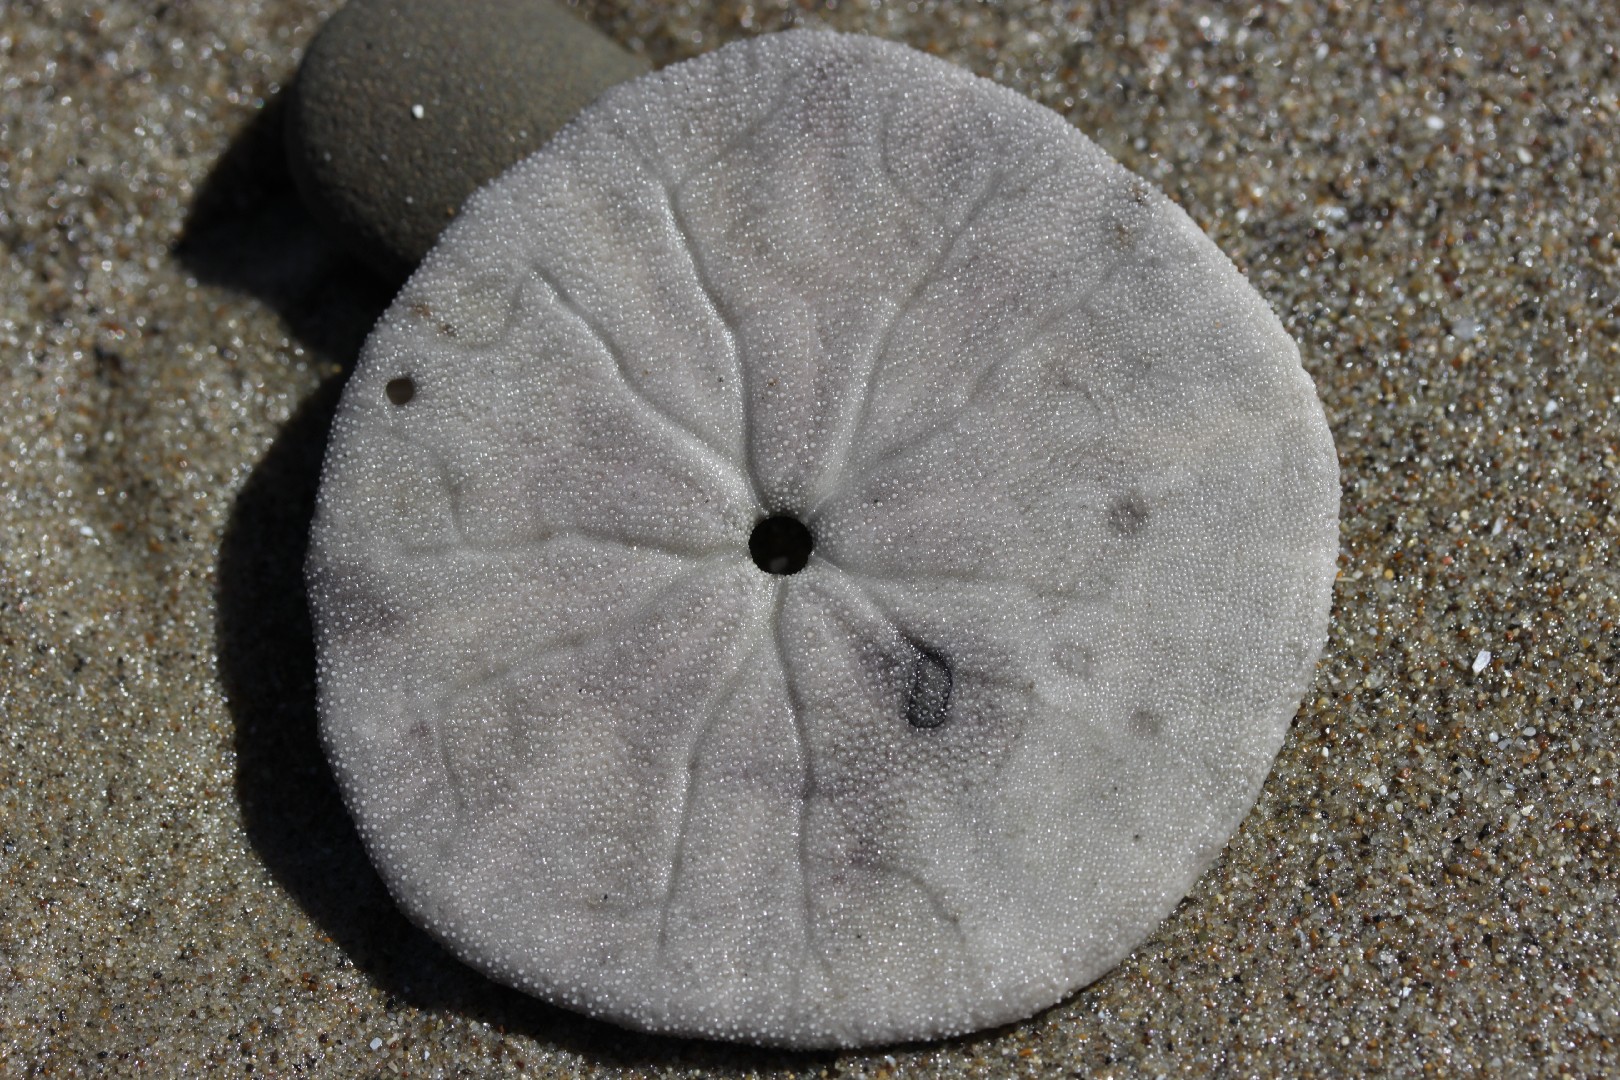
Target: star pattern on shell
819 555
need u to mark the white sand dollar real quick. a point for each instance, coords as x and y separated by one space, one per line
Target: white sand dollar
1073 507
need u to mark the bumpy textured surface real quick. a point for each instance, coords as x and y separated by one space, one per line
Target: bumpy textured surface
1074 505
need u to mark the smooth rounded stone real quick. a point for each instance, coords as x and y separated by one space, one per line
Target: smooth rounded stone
403 108
819 555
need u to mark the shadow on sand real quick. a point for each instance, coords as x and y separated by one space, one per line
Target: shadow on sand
247 231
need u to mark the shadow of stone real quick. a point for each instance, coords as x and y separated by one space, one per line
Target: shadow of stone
248 232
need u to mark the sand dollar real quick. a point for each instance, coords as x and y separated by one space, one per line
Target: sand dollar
818 555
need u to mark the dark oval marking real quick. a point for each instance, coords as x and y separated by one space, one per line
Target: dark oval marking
1128 515
1146 724
930 696
400 390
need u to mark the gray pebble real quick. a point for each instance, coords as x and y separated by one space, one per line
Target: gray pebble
403 108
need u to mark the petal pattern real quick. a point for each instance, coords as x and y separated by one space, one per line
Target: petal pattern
1073 507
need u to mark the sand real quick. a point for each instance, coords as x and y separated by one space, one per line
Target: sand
1428 198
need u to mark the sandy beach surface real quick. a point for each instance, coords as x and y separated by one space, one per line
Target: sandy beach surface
1427 194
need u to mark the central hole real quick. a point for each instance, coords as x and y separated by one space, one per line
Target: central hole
780 545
